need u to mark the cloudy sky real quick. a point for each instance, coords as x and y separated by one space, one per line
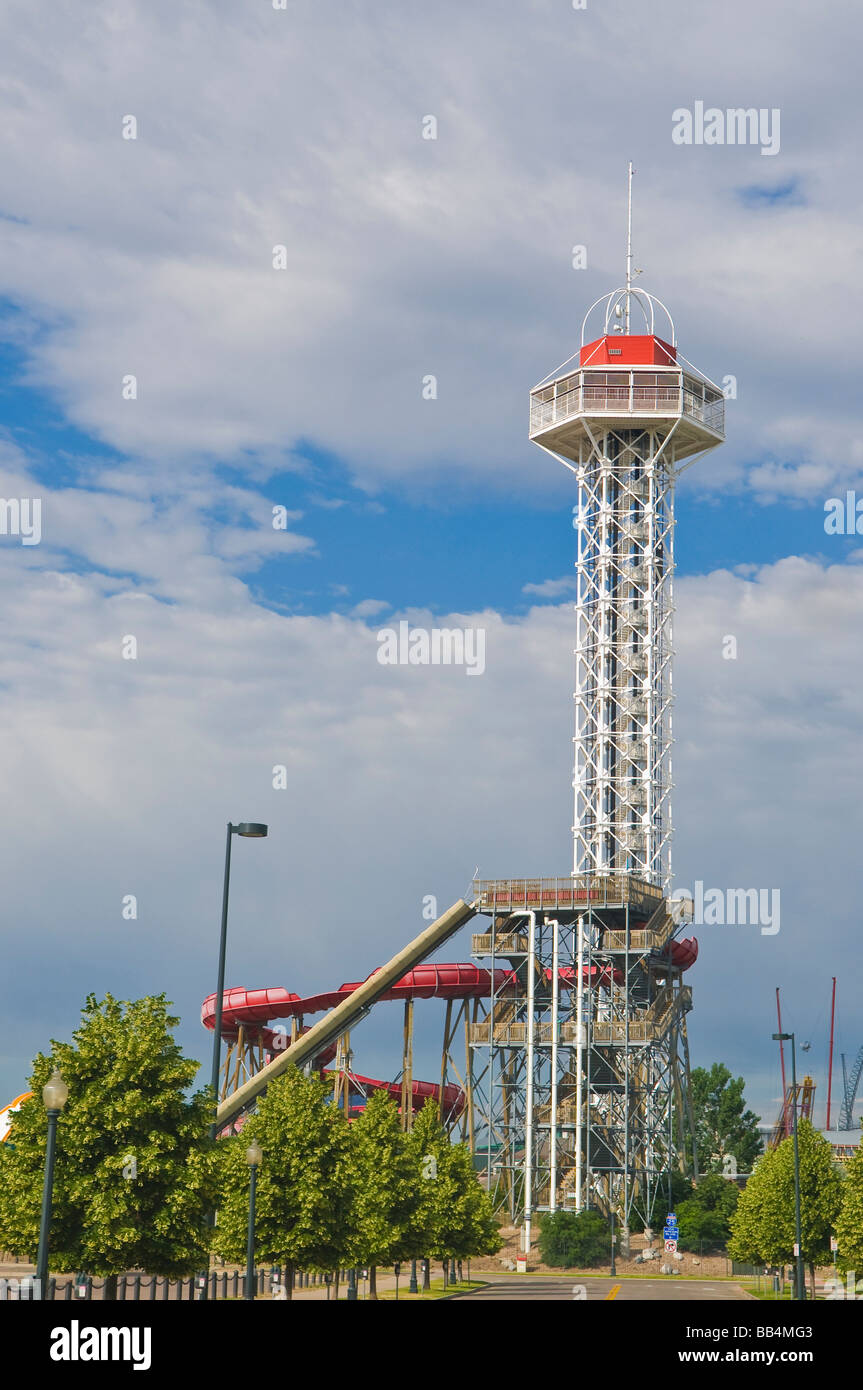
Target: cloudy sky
295 136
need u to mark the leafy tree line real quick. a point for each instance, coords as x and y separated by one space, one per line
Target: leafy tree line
763 1227
137 1177
333 1194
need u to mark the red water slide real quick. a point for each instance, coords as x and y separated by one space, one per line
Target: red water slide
254 1009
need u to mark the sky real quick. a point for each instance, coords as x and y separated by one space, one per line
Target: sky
229 261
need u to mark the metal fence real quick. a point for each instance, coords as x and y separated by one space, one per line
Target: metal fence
140 1288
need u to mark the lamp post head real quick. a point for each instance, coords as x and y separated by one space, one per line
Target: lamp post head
251 830
254 1154
55 1092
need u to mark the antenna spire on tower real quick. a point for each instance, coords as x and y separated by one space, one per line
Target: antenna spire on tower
629 246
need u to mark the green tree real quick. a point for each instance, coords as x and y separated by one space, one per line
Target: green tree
427 1144
303 1194
849 1223
723 1125
763 1226
574 1240
467 1226
452 1217
386 1187
705 1215
135 1173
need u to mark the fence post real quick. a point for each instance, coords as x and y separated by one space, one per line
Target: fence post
121 1288
153 1283
236 1285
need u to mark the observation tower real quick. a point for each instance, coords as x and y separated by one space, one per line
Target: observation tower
578 1077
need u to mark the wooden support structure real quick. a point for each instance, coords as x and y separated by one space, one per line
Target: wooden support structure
407 1098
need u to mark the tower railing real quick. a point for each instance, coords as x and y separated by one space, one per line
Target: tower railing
500 895
549 406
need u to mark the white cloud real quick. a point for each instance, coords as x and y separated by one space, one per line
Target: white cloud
154 256
404 257
121 774
369 608
551 588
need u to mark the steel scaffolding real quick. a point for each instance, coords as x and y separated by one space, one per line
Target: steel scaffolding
579 1066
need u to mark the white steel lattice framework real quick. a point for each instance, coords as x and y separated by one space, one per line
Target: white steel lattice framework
625 426
580 1065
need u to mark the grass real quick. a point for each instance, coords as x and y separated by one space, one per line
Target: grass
604 1274
768 1296
436 1291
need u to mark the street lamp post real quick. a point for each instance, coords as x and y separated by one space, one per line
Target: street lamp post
613 1270
250 830
799 1288
54 1094
254 1157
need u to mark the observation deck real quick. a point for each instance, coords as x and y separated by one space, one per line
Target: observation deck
562 411
626 380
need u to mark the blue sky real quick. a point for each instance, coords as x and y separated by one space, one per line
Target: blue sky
301 388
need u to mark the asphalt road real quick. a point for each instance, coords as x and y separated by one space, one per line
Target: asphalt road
560 1290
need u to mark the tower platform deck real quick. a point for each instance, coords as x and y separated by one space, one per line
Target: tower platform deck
573 894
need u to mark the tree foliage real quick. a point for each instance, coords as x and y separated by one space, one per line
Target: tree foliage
849 1223
763 1226
453 1215
134 1178
705 1216
303 1197
574 1240
723 1125
427 1143
385 1184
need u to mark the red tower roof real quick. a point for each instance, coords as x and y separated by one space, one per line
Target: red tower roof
628 349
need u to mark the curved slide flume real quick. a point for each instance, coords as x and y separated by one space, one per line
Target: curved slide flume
255 1009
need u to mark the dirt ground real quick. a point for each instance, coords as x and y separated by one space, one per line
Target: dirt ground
695 1266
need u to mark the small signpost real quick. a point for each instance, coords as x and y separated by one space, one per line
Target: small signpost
671 1233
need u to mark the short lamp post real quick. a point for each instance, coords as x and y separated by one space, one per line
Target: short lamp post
613 1270
799 1286
54 1094
254 1158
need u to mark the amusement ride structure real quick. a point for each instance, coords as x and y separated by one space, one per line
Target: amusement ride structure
574 1059
583 1070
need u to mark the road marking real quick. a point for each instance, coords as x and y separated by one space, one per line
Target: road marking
613 1293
